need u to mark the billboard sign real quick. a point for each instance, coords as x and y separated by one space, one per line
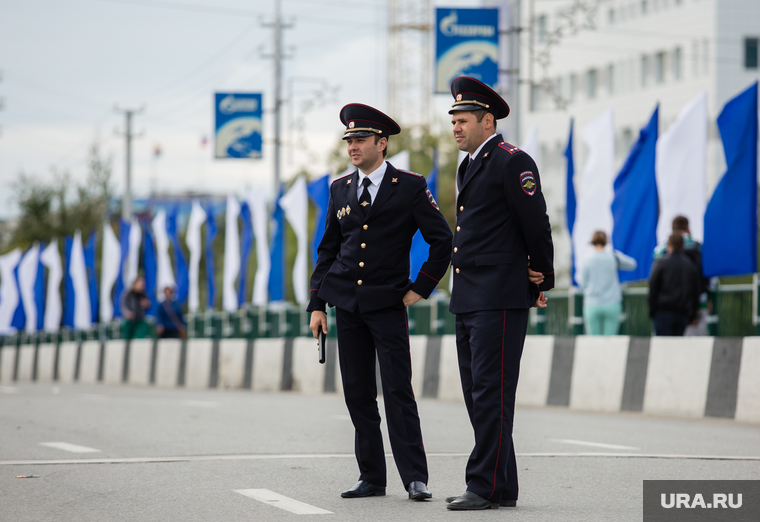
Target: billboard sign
466 44
238 125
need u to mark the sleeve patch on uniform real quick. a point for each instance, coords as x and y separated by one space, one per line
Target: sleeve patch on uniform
431 199
528 182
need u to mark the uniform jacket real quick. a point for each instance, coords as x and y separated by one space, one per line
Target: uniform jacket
364 263
501 223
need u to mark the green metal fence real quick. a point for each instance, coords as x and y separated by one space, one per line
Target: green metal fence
731 315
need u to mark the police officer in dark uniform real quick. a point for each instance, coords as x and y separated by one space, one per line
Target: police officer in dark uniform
363 270
502 228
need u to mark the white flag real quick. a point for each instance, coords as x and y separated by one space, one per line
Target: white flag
530 143
681 170
231 255
257 203
27 277
593 210
51 258
109 271
164 272
400 161
133 257
78 273
193 242
8 291
295 205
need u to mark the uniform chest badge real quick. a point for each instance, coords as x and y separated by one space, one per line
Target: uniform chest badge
528 182
348 182
348 210
431 199
364 203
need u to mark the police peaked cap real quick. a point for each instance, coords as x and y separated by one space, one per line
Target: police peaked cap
362 120
471 95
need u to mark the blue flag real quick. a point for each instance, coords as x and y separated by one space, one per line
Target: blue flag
68 286
210 270
39 291
181 276
19 315
119 286
419 251
634 207
92 276
319 193
246 240
730 246
570 201
150 269
277 253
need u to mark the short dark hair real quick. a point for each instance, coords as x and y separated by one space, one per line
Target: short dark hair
599 238
480 114
385 150
675 241
681 223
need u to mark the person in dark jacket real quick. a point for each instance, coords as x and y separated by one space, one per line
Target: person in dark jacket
502 228
133 305
674 288
170 322
363 270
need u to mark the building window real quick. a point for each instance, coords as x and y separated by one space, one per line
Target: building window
659 67
611 79
695 58
572 87
676 64
644 7
644 70
541 29
705 56
591 82
750 53
611 16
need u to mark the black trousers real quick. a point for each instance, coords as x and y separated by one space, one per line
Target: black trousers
489 347
670 323
385 333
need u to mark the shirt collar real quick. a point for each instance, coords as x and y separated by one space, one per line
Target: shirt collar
477 151
376 176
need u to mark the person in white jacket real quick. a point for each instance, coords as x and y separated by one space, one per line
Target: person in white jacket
602 295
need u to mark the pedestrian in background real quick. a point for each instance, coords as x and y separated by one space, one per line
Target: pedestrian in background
170 321
674 288
133 305
602 295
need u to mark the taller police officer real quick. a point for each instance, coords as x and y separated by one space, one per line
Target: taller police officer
502 228
363 270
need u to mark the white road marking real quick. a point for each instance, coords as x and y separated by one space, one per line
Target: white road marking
282 502
594 444
201 404
201 458
73 448
9 389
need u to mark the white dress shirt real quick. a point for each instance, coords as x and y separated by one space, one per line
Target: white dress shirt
475 154
376 177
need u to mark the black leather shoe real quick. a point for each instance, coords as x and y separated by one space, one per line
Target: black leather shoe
503 503
364 489
418 491
470 501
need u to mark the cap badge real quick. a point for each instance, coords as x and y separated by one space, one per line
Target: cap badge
351 125
459 97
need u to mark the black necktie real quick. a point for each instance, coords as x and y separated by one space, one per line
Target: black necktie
365 201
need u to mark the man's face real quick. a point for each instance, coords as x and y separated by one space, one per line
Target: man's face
468 131
139 284
365 154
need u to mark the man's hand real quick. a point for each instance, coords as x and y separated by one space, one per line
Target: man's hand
541 301
318 320
535 277
411 297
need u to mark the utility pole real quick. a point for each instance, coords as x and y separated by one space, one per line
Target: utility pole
126 203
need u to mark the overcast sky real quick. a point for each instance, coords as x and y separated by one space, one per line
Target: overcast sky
66 64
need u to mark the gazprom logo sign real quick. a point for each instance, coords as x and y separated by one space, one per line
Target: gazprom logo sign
238 127
466 44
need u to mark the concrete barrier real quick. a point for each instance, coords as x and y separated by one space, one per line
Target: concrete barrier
693 377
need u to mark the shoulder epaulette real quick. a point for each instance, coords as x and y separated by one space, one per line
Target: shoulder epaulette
342 177
412 173
509 148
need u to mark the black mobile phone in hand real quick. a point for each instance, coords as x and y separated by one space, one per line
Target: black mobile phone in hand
322 346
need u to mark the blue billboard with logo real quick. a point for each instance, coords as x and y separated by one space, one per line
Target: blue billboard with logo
238 125
466 44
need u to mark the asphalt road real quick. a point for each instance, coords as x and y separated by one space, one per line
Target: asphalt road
147 454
